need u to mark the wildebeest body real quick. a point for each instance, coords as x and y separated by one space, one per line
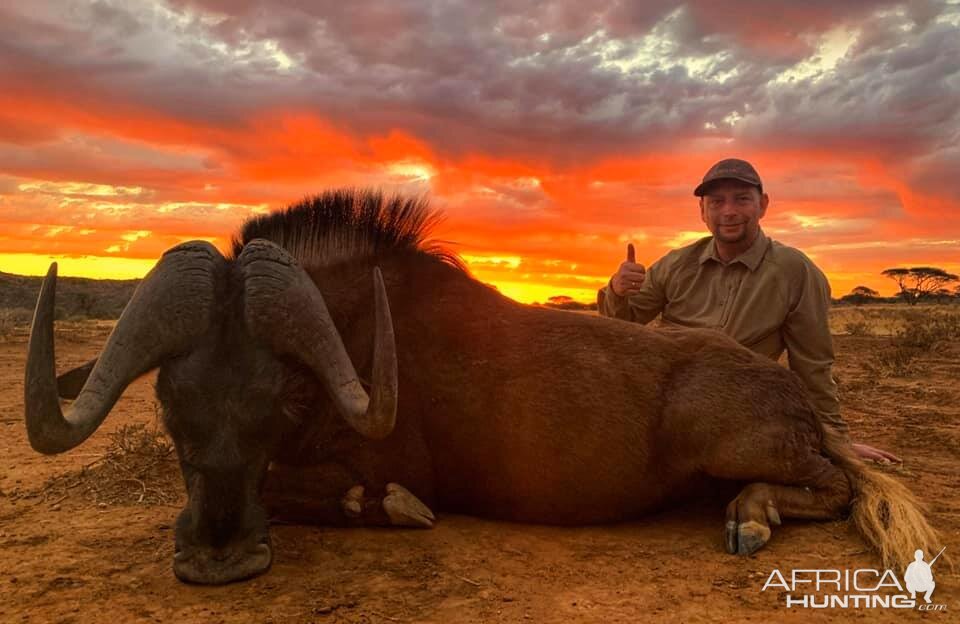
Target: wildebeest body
292 386
540 415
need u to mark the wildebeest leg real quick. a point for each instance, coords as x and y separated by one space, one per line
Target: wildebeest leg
329 494
401 507
309 494
791 479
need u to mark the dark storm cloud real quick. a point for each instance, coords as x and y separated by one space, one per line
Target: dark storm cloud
878 97
561 80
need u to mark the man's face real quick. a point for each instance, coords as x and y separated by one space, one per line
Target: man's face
732 210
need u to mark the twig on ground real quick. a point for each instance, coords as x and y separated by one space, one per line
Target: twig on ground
143 486
93 463
386 617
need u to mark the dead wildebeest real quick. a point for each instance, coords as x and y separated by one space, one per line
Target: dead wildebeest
477 404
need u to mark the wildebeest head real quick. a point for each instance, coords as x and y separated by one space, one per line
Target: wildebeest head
221 368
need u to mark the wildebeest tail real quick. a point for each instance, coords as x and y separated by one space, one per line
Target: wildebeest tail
885 512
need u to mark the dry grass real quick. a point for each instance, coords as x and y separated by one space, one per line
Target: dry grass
13 322
15 326
857 328
139 467
6 326
913 332
82 330
887 319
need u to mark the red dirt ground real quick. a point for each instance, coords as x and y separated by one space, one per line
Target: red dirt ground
73 560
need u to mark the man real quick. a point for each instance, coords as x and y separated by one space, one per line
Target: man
766 295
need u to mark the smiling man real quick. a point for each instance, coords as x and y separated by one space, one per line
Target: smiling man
767 296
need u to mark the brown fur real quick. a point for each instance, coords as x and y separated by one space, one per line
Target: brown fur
529 414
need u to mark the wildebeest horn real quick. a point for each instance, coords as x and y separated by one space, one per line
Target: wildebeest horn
70 383
168 312
285 309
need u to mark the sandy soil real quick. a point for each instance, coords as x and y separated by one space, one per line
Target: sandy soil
73 560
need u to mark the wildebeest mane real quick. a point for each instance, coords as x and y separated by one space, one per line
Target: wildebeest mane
342 224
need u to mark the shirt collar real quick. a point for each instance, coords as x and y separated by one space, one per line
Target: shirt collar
750 258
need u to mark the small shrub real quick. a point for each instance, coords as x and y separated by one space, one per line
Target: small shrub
917 337
926 334
857 328
14 321
895 362
6 326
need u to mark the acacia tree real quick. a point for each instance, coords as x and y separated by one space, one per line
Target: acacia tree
864 291
860 295
563 302
917 283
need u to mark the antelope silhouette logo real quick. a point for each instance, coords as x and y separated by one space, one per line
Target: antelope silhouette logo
919 575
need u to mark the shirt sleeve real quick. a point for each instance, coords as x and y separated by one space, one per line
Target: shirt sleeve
642 307
806 333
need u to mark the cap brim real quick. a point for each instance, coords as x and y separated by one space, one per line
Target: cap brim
701 190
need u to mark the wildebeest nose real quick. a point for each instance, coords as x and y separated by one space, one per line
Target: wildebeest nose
220 555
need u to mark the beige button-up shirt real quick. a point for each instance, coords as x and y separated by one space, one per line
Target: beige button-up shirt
769 298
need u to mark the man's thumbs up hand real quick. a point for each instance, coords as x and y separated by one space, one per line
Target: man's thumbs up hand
629 277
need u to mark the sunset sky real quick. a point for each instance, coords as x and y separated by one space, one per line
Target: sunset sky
550 133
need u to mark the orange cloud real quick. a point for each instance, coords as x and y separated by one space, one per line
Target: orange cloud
563 229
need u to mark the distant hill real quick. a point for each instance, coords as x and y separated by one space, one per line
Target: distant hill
76 296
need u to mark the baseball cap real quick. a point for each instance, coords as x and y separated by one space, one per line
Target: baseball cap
730 169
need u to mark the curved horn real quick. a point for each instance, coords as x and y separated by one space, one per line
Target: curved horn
285 308
70 383
169 311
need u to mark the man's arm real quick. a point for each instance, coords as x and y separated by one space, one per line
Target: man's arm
806 333
810 350
640 307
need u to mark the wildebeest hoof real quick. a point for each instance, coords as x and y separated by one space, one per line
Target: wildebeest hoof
730 537
751 536
405 509
352 502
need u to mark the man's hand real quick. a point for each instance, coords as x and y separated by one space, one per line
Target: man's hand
629 277
869 453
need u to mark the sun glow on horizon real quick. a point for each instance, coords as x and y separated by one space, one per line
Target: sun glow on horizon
580 288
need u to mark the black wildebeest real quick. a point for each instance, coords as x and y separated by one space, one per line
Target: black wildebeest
476 403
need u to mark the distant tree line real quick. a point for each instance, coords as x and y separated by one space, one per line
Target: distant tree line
105 299
563 302
915 284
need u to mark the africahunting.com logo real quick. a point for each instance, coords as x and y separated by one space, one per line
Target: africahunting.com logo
863 588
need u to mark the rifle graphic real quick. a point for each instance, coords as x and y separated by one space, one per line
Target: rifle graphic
934 560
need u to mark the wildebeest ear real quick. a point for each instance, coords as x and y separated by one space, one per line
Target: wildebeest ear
71 382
